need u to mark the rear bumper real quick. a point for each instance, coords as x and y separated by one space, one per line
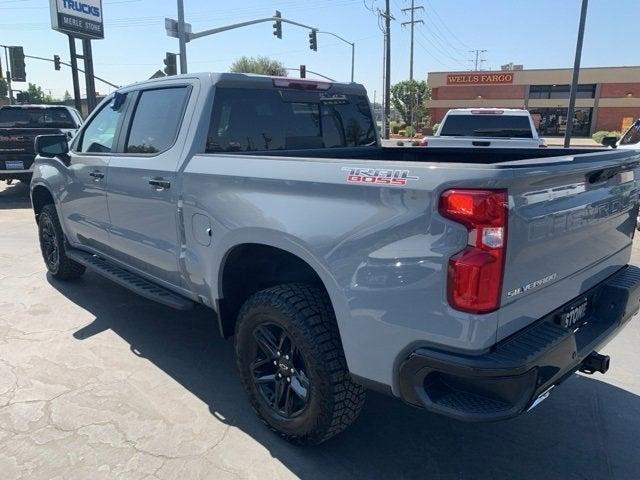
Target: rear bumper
513 375
26 161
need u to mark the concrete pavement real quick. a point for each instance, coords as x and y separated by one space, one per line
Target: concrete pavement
97 383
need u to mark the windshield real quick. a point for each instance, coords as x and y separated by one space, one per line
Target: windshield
510 126
255 120
20 117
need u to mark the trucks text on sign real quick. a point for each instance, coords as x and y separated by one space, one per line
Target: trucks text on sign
80 18
487 78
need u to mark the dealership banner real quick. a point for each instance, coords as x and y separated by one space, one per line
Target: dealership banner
79 18
484 78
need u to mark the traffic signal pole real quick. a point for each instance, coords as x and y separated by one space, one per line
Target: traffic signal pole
576 73
182 37
8 75
74 74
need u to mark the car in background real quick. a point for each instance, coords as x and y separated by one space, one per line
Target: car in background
20 125
486 127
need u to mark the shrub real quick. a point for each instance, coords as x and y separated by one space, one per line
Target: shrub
402 133
395 129
400 143
415 143
598 136
410 131
435 127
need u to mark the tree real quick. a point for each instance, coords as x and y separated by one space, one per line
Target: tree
260 65
409 99
67 96
37 95
4 89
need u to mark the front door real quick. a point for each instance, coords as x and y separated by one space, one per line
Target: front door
142 195
84 204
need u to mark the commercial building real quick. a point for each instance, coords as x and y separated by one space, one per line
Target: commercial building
608 98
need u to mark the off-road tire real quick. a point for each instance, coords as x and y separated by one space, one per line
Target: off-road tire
304 312
61 266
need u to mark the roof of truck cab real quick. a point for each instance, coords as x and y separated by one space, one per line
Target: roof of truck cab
243 80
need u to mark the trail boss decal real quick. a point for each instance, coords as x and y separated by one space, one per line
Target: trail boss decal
379 176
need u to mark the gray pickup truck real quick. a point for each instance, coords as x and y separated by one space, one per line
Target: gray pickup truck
469 282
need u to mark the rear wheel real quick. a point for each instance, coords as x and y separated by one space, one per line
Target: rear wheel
52 246
292 364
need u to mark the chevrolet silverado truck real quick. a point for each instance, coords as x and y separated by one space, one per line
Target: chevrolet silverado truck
469 282
486 127
19 126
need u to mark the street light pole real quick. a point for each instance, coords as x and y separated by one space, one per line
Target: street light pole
353 49
576 72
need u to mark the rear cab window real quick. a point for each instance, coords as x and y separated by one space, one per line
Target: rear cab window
487 125
26 117
156 120
244 120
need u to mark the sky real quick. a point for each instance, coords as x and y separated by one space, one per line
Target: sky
536 33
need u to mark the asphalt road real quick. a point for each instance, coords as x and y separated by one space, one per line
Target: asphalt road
97 383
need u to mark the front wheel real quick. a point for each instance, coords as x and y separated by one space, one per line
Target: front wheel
52 246
292 364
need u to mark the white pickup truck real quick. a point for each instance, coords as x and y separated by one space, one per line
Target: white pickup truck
486 127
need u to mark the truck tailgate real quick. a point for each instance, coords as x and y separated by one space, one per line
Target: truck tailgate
570 226
20 140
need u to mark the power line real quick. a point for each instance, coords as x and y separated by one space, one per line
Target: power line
453 35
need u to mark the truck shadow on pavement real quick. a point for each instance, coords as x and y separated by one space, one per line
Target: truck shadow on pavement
14 196
587 429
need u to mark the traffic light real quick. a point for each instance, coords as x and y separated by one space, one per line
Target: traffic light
56 62
171 67
16 64
313 40
303 71
277 25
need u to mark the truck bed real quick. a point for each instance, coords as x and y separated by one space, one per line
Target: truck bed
425 155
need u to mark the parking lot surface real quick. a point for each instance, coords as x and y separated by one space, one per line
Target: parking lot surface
98 383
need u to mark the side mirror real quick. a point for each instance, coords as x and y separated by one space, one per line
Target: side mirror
610 141
51 145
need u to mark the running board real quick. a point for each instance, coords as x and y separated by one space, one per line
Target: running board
130 280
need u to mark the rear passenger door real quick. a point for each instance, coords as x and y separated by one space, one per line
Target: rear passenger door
141 194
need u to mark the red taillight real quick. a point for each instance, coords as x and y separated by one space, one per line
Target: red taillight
475 274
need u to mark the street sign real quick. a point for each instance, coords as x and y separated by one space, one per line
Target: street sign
80 18
171 26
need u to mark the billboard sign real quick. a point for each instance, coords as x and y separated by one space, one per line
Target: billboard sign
79 18
480 78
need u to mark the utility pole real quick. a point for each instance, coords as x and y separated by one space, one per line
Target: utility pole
576 72
387 68
412 9
478 61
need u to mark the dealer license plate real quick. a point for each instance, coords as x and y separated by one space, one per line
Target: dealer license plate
575 314
14 165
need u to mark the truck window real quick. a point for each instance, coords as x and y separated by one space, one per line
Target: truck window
260 120
632 136
21 117
98 135
511 126
156 120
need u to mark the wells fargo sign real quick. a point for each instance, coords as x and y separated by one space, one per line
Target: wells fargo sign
487 78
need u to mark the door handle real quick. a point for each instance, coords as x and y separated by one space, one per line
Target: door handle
97 175
160 184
